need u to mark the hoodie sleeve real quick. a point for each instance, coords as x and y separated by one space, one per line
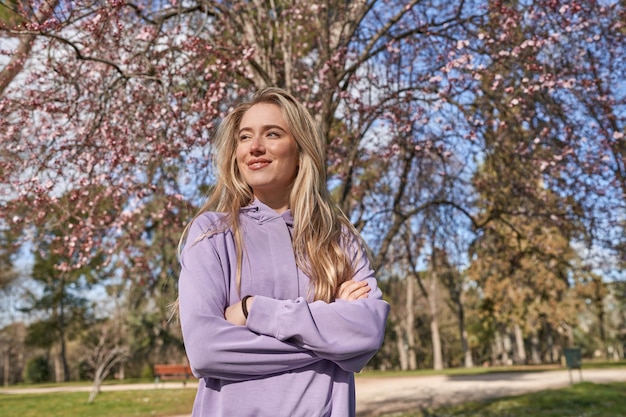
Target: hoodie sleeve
348 333
215 347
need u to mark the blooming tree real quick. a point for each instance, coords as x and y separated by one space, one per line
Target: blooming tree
109 108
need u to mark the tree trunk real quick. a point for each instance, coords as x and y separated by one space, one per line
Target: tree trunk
63 349
97 382
7 366
467 352
434 325
601 328
520 350
507 346
502 353
95 390
495 352
436 339
550 342
534 348
618 352
410 324
58 369
569 334
401 345
20 357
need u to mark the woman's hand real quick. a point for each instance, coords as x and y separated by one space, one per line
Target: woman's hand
234 313
352 290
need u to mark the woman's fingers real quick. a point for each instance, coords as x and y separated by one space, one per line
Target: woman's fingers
234 314
352 290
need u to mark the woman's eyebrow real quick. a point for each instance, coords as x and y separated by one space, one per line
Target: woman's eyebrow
268 127
264 128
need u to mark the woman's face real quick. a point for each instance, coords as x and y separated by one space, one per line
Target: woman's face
267 153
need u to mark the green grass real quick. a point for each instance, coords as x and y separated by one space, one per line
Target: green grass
144 403
580 400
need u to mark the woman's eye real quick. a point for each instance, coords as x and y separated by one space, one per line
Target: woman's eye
272 134
244 137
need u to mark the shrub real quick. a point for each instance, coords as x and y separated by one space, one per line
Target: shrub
37 370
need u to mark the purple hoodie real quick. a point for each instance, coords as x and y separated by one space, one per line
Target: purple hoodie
295 357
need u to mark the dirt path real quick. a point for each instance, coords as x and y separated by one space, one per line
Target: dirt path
376 396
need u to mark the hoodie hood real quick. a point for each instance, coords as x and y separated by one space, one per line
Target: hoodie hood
262 213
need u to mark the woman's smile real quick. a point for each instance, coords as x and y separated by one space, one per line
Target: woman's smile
255 164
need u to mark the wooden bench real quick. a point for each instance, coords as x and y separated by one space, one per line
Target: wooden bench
179 372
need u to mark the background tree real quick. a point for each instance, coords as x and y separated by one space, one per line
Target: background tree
106 351
60 298
453 280
12 352
63 310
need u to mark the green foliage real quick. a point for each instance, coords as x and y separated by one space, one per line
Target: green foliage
8 274
84 371
147 372
37 370
8 13
41 334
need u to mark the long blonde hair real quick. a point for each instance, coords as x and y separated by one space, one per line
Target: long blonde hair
322 233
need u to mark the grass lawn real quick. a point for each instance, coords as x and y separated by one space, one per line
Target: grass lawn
579 400
144 403
583 399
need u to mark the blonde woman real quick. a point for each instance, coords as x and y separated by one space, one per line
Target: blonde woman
278 303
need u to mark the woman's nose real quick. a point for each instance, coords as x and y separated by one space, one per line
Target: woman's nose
257 145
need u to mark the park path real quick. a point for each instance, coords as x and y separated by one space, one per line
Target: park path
377 396
380 395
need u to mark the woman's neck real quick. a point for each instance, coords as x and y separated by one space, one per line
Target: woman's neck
278 204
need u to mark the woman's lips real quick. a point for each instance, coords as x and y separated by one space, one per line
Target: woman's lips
255 164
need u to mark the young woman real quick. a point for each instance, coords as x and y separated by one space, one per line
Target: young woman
278 303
